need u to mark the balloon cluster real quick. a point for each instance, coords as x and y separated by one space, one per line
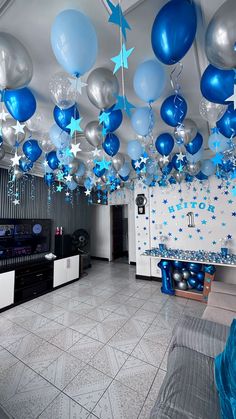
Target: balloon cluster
187 275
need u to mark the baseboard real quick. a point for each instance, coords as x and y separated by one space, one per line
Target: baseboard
133 263
148 278
98 258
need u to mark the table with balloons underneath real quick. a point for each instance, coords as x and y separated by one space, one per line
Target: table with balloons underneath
189 273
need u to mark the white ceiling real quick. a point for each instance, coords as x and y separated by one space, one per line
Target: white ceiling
31 21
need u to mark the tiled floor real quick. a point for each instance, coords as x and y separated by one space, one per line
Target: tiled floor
94 349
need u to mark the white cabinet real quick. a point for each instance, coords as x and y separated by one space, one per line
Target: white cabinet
7 282
65 270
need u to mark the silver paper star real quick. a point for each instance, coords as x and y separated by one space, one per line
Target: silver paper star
19 128
15 160
75 148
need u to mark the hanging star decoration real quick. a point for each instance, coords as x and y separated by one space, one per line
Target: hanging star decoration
180 156
104 117
74 126
104 131
103 164
68 178
121 60
67 193
217 159
15 160
75 148
144 158
16 201
87 192
3 115
117 17
96 152
232 98
19 128
77 84
233 191
123 103
60 176
59 188
66 152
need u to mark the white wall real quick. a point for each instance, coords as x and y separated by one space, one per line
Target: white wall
100 231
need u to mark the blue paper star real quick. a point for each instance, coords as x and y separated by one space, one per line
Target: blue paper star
121 60
104 117
118 18
59 188
204 221
74 125
60 175
123 103
215 130
103 164
229 236
217 159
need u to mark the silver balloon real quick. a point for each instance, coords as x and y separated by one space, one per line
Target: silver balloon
163 163
104 179
193 168
16 67
73 166
102 88
185 132
118 161
46 144
9 133
18 174
2 153
177 275
211 112
93 133
179 176
62 90
221 37
185 273
36 122
182 285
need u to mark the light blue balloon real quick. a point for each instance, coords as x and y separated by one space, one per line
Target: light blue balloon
151 166
88 183
125 169
218 142
81 170
134 149
64 157
143 120
208 167
72 185
148 180
74 41
59 137
149 80
194 158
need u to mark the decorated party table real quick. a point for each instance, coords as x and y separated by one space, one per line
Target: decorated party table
191 270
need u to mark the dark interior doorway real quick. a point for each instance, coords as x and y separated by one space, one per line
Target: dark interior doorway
120 232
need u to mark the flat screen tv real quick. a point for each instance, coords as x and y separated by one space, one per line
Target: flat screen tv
24 237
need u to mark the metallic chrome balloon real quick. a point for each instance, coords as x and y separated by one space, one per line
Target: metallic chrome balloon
62 90
182 285
179 176
93 133
177 275
9 134
102 88
185 274
118 161
90 163
73 166
37 122
193 168
16 67
45 144
2 153
211 112
186 132
221 37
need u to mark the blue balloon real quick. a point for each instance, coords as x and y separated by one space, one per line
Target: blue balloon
177 163
49 179
98 172
124 178
227 166
74 41
134 149
192 282
194 267
113 120
63 116
149 80
188 178
195 145
140 166
143 121
178 264
201 176
227 124
125 169
172 180
164 144
167 282
218 142
199 287
173 110
59 137
217 85
88 183
72 185
201 276
167 169
32 150
20 103
81 169
174 30
208 167
25 165
111 144
52 160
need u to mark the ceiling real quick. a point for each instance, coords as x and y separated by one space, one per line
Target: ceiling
31 21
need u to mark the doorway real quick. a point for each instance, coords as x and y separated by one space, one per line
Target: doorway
120 243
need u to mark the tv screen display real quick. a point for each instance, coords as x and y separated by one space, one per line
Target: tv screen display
24 237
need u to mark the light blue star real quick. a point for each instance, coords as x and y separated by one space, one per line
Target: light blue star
204 221
217 159
68 152
60 175
118 18
215 130
104 117
59 188
74 125
233 191
123 103
121 60
103 164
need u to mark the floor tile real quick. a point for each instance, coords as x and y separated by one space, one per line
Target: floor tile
61 371
88 387
40 307
55 312
83 324
158 335
66 338
137 375
157 385
99 314
25 345
135 302
152 306
6 360
109 360
144 315
12 333
146 409
85 349
118 402
49 330
149 352
126 310
63 407
163 365
42 357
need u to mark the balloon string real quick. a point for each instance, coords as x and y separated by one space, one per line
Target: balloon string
121 43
